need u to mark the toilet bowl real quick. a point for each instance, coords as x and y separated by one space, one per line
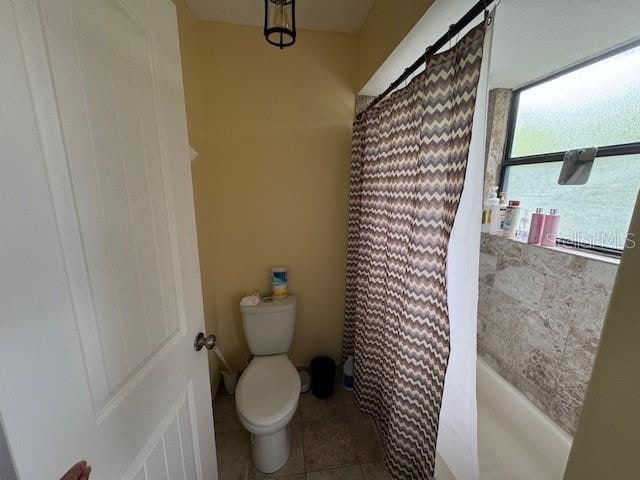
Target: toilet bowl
266 400
268 390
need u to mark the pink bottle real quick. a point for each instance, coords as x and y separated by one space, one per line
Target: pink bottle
550 230
537 225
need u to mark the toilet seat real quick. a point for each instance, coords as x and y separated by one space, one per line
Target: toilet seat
267 394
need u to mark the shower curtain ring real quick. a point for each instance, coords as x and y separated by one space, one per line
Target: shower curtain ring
426 55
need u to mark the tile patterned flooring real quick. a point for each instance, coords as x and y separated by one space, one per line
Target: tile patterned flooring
330 440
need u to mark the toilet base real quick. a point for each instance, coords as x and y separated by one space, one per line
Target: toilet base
271 451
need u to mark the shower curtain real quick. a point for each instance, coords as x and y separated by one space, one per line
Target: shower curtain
408 167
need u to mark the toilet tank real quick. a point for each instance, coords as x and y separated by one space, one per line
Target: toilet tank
268 326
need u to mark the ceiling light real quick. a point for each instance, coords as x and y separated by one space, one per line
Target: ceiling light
280 22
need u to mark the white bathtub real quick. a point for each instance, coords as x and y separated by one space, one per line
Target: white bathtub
516 441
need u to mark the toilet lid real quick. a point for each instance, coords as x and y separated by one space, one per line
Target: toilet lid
268 390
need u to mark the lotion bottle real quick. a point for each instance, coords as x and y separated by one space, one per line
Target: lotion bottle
511 219
550 230
497 215
537 225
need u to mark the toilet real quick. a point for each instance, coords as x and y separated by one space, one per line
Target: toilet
268 390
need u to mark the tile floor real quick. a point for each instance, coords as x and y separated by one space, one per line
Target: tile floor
331 440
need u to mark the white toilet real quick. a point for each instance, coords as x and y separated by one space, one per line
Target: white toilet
268 390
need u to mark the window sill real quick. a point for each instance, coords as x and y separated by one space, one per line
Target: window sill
566 250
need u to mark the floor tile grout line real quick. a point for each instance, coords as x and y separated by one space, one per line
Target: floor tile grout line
361 470
340 415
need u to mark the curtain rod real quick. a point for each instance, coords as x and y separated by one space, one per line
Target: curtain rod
454 29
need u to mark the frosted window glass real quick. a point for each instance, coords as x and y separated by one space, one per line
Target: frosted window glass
597 213
593 106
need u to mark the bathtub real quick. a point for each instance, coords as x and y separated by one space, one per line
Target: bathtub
516 441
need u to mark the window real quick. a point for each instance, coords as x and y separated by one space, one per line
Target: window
592 105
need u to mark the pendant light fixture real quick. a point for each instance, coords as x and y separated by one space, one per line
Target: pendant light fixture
280 22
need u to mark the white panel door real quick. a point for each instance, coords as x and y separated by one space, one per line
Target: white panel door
100 295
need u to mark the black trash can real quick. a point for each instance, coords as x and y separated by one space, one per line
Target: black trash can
323 376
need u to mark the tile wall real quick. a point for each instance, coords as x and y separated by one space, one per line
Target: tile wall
540 314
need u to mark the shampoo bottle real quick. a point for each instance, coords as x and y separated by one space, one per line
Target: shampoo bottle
537 225
550 230
497 215
490 202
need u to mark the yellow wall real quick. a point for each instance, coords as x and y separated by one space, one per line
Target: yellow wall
606 443
386 25
194 89
273 129
274 185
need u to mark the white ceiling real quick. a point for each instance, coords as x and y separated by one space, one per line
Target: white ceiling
531 39
325 15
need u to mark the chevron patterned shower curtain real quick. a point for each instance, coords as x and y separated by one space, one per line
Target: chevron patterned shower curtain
409 158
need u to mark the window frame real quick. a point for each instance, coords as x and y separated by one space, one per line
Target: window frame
603 151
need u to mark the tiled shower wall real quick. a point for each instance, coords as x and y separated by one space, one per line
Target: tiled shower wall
540 311
540 315
497 117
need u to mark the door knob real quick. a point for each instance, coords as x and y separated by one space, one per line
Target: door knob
201 341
